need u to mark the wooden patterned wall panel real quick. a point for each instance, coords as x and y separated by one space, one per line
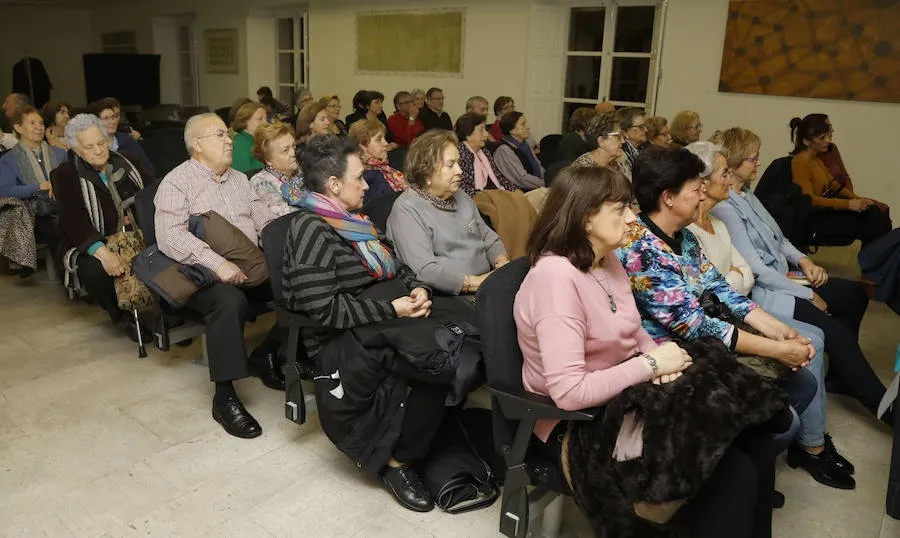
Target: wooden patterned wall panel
829 49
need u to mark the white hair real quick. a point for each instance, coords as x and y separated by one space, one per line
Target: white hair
191 125
79 124
707 152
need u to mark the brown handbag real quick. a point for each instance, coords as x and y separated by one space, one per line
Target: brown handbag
127 243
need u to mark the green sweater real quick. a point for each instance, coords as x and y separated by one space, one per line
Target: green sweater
242 158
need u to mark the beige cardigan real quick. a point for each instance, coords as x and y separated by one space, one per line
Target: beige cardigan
722 254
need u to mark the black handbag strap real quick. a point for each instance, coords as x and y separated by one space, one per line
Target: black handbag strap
487 490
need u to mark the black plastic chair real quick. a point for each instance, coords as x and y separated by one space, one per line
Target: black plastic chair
515 410
549 148
296 404
397 158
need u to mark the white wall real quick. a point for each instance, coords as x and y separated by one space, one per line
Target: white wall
57 37
692 55
494 57
165 43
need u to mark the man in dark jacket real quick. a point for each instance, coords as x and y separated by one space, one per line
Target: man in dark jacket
432 114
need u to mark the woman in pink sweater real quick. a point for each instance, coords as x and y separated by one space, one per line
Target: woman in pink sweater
582 341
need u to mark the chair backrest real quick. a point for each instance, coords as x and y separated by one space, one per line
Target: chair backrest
553 170
145 211
549 146
164 145
379 209
273 237
397 158
777 179
499 342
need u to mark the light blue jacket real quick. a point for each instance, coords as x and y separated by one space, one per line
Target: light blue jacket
758 238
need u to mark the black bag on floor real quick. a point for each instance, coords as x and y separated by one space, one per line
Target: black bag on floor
457 477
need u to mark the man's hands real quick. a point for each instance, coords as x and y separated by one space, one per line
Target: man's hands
230 273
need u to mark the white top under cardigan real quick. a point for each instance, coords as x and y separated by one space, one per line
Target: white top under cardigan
723 255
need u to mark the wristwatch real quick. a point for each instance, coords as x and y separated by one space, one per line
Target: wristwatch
653 366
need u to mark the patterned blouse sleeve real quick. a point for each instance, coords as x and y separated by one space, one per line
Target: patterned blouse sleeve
270 195
661 292
713 281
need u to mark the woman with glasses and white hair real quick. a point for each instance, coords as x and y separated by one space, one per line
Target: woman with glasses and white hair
603 136
716 244
88 214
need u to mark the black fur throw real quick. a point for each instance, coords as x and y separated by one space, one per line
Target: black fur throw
686 427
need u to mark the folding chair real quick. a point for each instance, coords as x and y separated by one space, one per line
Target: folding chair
515 412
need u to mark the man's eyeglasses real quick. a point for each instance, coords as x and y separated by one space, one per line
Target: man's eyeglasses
220 134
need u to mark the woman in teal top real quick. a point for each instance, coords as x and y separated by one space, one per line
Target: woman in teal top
246 120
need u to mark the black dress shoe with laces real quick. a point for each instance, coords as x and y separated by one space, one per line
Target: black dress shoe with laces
408 489
841 462
822 467
237 421
267 367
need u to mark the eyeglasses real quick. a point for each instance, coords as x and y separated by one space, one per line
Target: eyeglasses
220 134
110 117
754 159
642 127
698 127
616 134
441 99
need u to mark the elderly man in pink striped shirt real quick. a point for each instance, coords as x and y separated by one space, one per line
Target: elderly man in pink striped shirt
206 182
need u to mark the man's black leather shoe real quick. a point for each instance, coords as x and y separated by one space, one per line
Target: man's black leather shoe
267 367
408 489
237 421
821 467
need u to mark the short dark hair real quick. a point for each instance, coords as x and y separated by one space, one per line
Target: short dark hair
657 170
466 124
811 126
50 109
107 103
400 95
362 100
20 113
625 116
577 194
432 91
509 120
601 124
580 117
501 102
323 157
265 91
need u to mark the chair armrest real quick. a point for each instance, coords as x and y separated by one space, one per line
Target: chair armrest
518 404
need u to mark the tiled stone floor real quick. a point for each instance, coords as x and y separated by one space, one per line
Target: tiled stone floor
95 442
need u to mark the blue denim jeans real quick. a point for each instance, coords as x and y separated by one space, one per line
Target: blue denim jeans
812 416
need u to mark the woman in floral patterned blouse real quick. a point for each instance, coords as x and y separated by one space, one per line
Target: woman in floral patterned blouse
274 146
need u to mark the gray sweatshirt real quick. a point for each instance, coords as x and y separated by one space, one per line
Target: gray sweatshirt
442 247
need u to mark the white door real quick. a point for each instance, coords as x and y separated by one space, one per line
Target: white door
546 73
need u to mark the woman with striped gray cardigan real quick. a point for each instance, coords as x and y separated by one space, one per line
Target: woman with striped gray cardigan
332 256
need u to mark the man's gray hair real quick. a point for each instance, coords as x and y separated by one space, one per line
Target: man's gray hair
191 126
79 124
707 152
470 103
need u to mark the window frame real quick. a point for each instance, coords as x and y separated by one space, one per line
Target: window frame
608 54
299 51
